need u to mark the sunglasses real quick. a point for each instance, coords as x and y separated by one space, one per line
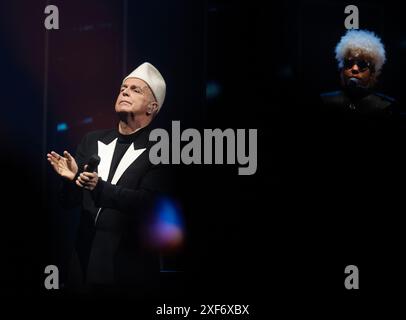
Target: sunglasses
362 64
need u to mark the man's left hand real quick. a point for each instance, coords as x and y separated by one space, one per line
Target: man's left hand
87 180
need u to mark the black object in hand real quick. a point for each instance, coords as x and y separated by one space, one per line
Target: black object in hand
93 163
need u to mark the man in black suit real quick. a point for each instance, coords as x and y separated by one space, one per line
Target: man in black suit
112 248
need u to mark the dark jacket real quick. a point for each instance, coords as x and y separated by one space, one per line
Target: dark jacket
358 150
111 242
367 103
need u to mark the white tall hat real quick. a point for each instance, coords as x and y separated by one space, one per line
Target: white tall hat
148 73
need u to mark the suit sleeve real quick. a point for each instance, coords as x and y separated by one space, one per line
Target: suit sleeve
70 195
155 182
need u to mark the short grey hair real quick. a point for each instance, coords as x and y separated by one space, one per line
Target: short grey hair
361 42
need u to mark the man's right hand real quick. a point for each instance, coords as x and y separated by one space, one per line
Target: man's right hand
65 166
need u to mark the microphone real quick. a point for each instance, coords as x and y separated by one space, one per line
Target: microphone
353 83
356 88
93 163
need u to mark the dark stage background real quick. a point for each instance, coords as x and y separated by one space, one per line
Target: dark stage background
274 238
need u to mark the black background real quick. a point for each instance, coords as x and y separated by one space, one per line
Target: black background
272 239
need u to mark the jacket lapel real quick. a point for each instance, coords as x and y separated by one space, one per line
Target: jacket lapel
129 157
105 152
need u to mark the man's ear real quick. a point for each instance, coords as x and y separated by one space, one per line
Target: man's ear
152 108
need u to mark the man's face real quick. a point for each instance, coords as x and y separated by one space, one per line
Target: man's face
135 97
359 67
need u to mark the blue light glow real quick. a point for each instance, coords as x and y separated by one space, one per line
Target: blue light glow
213 89
167 230
87 120
61 126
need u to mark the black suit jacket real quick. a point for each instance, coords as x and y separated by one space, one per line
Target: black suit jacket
111 243
368 104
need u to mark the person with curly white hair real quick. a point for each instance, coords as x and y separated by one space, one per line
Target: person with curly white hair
360 55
